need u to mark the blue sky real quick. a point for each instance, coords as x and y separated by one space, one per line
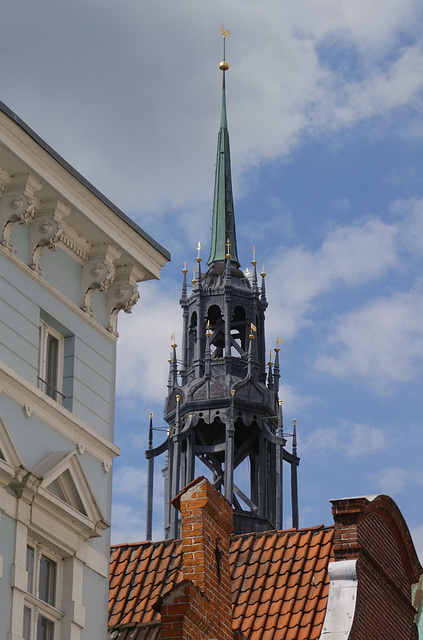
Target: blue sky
325 117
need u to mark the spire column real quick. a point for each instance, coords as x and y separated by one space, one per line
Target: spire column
294 480
150 478
230 451
184 304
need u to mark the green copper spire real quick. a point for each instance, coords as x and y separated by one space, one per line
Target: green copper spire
223 224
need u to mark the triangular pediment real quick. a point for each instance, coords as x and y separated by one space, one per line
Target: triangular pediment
9 457
64 487
64 480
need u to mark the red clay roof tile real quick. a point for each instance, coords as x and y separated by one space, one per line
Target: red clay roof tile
279 584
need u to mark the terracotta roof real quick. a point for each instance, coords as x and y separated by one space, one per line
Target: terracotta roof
279 584
140 575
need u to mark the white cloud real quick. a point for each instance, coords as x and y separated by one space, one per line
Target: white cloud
144 343
382 342
122 105
129 481
411 232
349 256
292 402
129 504
400 85
372 26
395 480
352 439
340 204
129 525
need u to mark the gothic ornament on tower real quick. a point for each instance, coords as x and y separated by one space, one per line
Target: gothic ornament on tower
223 407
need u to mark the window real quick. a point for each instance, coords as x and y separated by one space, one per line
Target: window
40 616
50 371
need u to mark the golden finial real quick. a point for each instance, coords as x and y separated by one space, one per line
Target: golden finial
253 330
295 423
151 414
185 270
228 245
172 337
254 261
233 392
271 356
178 397
193 279
170 356
263 273
198 249
208 332
247 272
224 66
280 403
278 342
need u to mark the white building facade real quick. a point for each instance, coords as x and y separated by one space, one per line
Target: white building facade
70 261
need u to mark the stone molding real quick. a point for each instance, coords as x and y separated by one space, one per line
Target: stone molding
55 416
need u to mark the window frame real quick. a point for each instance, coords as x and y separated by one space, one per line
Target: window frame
34 606
46 332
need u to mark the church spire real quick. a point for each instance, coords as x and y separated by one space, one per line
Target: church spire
223 224
222 406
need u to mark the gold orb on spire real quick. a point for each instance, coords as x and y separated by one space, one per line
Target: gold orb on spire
224 66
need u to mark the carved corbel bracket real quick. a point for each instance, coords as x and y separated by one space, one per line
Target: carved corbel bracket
17 205
25 481
47 230
122 295
4 180
98 273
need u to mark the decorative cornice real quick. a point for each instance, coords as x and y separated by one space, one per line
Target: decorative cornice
46 230
75 244
98 273
123 295
59 296
17 204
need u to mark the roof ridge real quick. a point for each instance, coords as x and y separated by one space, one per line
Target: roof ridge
259 534
152 543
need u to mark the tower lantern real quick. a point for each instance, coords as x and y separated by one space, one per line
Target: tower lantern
223 407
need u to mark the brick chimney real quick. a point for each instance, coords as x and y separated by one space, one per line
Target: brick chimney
200 608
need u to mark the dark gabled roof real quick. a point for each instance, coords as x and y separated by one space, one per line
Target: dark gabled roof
280 584
8 112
